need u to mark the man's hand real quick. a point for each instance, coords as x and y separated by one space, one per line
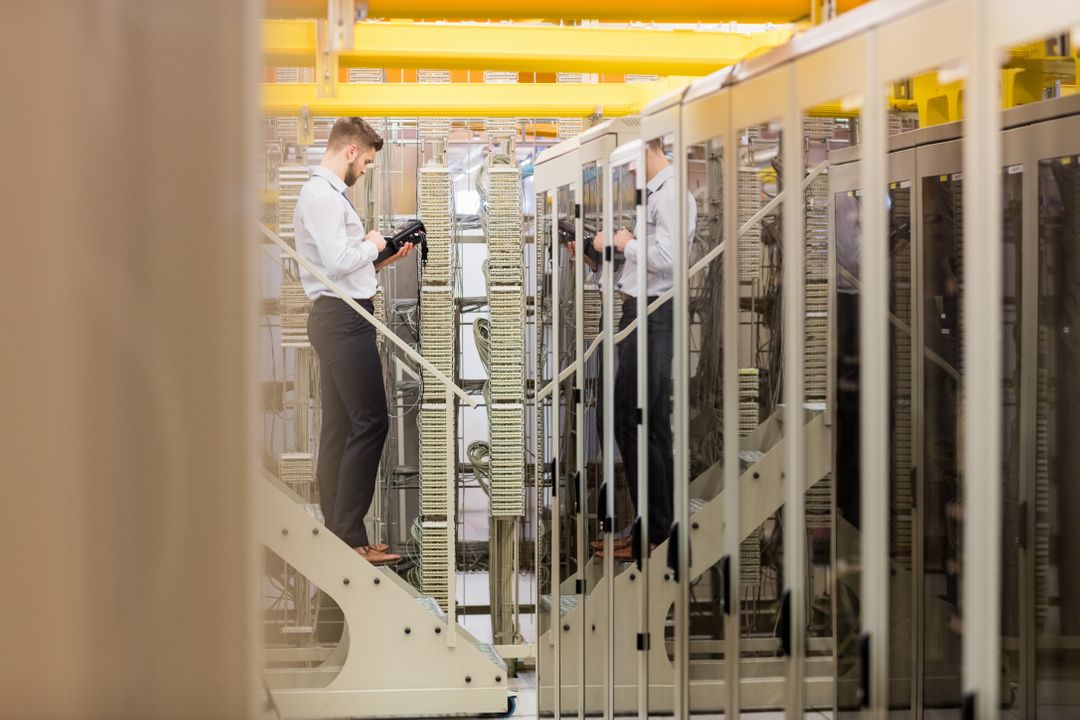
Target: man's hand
622 239
405 251
572 247
376 238
598 242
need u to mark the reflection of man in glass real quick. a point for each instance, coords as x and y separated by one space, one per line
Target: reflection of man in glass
658 254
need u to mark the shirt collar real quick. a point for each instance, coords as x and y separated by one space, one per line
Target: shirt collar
660 178
335 181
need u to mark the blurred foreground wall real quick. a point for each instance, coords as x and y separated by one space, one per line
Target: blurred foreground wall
126 417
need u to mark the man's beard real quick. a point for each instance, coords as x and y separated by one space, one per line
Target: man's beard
351 175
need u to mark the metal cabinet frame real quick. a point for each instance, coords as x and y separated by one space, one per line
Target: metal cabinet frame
860 54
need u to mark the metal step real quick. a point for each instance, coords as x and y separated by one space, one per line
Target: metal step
567 603
432 606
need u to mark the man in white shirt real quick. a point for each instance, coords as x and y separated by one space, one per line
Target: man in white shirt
330 234
662 221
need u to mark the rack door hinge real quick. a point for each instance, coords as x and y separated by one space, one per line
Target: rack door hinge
1022 526
725 584
577 493
914 488
967 706
864 670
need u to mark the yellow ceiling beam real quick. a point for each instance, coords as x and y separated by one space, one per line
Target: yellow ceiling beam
521 48
608 10
539 100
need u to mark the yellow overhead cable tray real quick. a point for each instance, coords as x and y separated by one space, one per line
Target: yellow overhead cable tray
544 100
523 48
607 10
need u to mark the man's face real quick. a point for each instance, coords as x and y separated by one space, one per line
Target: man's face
362 158
654 161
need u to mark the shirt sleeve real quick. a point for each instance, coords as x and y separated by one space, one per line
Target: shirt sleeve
325 221
661 247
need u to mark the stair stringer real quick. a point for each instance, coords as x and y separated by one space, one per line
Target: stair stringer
401 660
761 497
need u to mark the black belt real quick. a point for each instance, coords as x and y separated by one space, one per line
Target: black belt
364 302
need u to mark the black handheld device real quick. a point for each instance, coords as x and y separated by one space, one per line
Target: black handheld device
411 233
567 232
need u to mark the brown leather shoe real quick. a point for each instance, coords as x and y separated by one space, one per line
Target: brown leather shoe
626 553
377 557
598 545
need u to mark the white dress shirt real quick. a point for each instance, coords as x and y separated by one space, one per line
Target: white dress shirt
662 226
330 234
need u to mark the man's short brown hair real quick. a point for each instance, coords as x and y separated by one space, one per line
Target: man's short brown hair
349 130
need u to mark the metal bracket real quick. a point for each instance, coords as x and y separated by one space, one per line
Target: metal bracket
326 61
639 196
577 211
579 586
575 394
341 15
609 253
643 642
305 128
